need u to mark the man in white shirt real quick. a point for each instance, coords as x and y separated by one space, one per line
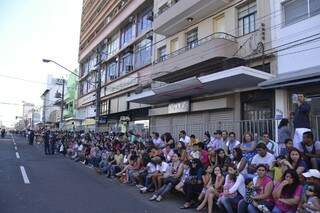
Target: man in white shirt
217 142
184 137
157 140
262 157
232 143
271 145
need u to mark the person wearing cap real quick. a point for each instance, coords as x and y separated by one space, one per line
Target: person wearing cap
301 120
312 177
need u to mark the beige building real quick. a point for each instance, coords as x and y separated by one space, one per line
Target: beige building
208 60
115 48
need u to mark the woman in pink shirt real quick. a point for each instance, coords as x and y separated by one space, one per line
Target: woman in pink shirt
287 193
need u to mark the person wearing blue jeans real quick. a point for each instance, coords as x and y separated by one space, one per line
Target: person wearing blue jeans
229 203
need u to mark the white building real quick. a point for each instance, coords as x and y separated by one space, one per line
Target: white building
50 109
296 43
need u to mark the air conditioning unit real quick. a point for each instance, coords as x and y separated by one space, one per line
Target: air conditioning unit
149 36
108 19
150 16
113 77
131 19
129 68
138 90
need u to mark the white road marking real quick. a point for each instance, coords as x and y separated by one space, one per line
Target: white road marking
17 155
24 175
16 148
14 142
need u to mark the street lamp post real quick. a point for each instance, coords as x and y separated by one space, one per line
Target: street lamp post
63 82
98 89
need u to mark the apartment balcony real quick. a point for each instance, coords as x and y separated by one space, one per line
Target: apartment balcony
177 15
197 59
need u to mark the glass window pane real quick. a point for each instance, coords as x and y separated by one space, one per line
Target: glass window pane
295 11
246 25
314 7
252 22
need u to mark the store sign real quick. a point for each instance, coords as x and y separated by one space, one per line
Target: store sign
183 106
89 122
102 120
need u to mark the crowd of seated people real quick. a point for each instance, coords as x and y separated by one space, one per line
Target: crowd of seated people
219 172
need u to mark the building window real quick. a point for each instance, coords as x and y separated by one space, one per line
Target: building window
92 62
103 76
104 107
143 53
297 10
112 70
126 35
247 18
192 38
144 21
162 53
113 45
81 89
126 64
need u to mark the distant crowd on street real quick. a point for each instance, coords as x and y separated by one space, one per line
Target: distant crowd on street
222 172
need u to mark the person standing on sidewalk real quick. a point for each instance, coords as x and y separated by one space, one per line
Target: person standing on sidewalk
31 137
301 120
46 138
53 138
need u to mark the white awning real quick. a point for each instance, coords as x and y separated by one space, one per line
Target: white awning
303 76
223 81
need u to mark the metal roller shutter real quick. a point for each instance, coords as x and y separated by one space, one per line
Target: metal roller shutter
160 124
196 124
221 120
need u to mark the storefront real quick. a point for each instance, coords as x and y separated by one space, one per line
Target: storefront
198 104
288 85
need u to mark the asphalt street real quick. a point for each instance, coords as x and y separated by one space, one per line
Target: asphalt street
31 182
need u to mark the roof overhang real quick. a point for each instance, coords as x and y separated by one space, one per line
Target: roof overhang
224 81
303 76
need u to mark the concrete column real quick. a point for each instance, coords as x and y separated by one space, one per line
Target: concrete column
237 114
281 104
281 107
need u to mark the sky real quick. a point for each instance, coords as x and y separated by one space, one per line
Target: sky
29 31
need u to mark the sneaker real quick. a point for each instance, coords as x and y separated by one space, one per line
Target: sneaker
139 186
143 190
159 198
153 197
263 209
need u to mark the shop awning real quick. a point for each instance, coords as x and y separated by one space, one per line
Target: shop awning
303 76
227 80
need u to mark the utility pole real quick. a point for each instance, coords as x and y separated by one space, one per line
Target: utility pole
98 90
62 104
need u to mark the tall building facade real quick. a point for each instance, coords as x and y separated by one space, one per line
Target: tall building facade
197 64
208 60
70 116
116 50
51 98
296 43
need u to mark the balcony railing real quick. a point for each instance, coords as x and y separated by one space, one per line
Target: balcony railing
165 7
217 35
